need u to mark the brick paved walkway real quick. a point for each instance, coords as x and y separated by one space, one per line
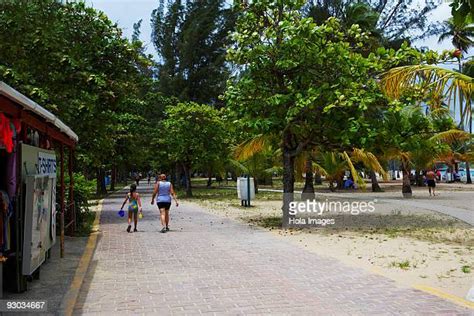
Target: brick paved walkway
207 264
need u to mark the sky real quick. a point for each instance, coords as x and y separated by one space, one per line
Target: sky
127 12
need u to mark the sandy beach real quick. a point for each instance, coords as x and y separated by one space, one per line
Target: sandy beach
411 245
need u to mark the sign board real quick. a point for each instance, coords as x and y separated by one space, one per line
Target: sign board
39 171
37 240
46 163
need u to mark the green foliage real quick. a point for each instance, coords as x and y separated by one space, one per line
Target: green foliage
392 22
194 136
83 191
190 40
195 133
74 61
462 11
461 34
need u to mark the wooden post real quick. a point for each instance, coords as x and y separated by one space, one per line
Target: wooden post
61 222
72 205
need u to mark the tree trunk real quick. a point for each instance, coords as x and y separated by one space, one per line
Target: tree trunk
419 178
406 187
468 173
255 184
101 188
308 190
375 183
209 179
340 182
288 184
113 178
187 175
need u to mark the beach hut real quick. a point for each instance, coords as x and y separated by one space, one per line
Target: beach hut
33 148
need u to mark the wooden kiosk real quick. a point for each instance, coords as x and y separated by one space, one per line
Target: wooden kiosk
33 148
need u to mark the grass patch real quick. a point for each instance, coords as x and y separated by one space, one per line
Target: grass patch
86 222
268 222
404 265
420 227
225 194
466 269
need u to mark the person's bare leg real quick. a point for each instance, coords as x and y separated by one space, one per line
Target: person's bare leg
135 220
129 221
434 192
163 219
429 190
167 217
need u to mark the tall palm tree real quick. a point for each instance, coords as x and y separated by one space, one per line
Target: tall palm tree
442 82
461 34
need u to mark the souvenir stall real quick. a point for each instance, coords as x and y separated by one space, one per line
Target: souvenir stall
33 144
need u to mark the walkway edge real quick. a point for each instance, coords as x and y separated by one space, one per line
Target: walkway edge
455 299
70 299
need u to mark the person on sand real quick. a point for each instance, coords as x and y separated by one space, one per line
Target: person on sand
431 180
164 189
135 205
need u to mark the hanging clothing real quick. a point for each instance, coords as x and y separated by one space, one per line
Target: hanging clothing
11 171
6 133
6 210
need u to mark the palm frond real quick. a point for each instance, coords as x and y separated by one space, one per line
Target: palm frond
274 169
237 166
451 136
369 160
319 169
438 80
355 175
252 146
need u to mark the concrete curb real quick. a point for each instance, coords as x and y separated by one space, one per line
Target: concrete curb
70 299
436 292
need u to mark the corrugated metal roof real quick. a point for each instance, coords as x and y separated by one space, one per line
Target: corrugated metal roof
34 107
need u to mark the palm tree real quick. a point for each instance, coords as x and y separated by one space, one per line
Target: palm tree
461 34
456 86
333 165
256 156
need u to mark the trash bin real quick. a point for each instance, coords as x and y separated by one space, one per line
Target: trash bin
245 190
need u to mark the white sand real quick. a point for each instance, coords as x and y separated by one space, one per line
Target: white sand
436 262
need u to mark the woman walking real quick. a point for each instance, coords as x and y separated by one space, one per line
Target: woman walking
135 205
165 191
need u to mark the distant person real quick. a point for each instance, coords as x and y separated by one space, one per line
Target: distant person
431 180
349 184
438 174
134 207
137 179
149 178
165 191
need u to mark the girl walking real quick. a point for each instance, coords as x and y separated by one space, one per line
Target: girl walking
164 189
135 205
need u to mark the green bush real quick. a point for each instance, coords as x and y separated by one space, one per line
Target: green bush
83 191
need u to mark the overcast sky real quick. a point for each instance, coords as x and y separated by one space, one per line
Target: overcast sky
127 12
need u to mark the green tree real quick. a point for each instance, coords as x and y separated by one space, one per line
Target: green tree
393 20
195 136
461 34
302 82
190 41
74 61
462 10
